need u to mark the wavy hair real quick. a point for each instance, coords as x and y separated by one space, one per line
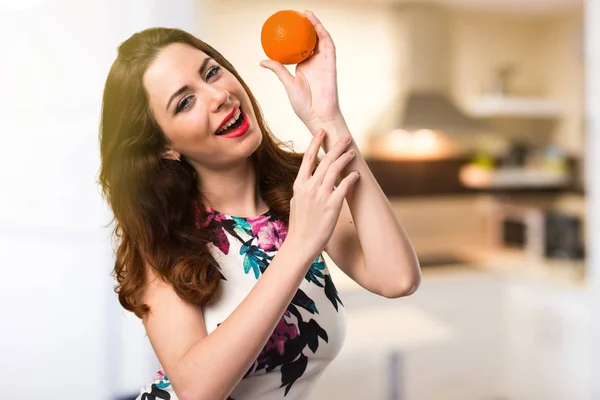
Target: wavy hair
154 200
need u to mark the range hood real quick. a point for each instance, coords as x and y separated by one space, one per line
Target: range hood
428 102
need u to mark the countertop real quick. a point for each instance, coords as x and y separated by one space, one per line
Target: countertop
507 264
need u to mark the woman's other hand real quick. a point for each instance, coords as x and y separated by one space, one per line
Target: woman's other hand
317 202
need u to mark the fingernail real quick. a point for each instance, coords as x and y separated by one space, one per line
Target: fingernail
352 153
357 173
321 132
347 139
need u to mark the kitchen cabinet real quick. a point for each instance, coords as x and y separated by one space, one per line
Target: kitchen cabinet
467 367
547 333
503 106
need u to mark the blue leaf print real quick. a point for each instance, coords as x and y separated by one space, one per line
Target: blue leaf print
314 272
163 384
255 259
250 263
242 226
246 246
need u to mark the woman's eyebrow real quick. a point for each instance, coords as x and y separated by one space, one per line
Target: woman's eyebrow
186 87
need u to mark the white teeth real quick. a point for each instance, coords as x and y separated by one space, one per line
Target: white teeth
231 121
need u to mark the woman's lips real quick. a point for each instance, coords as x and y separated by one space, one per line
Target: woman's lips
241 130
228 117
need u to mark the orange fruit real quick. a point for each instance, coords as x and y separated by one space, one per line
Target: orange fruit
288 37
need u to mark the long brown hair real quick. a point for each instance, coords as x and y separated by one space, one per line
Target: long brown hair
153 199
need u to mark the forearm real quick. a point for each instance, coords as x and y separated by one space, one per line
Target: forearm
215 365
389 257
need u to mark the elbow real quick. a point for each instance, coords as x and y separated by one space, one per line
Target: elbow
185 388
403 287
189 386
186 396
196 391
185 393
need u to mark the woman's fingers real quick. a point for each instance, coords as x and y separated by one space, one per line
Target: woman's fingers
333 154
341 191
282 73
335 170
323 35
310 156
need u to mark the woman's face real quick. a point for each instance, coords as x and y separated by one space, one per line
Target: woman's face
201 107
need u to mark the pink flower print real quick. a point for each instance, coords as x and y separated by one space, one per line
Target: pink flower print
270 234
203 220
160 375
212 219
283 332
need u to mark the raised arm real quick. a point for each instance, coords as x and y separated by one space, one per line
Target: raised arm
369 244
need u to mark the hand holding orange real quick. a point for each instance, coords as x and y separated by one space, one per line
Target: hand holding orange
288 37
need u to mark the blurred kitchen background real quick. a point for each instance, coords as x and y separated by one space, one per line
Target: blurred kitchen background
476 117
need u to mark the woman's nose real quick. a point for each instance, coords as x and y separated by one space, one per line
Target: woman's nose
220 99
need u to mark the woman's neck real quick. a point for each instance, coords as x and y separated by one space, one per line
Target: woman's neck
233 192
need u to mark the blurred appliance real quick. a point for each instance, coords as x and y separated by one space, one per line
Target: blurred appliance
564 236
520 227
538 232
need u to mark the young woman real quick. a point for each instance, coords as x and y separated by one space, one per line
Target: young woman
220 229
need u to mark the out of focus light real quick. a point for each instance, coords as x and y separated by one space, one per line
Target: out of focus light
403 144
20 4
425 142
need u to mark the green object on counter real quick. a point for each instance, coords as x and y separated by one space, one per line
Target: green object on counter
555 159
483 160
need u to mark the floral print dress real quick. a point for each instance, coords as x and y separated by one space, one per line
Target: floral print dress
308 336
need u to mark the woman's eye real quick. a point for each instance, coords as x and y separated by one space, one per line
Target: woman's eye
213 72
186 101
183 104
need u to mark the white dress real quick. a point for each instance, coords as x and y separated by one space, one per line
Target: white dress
310 333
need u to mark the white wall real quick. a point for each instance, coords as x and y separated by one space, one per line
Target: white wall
592 83
563 64
63 334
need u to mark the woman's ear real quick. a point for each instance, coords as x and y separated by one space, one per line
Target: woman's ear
170 154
